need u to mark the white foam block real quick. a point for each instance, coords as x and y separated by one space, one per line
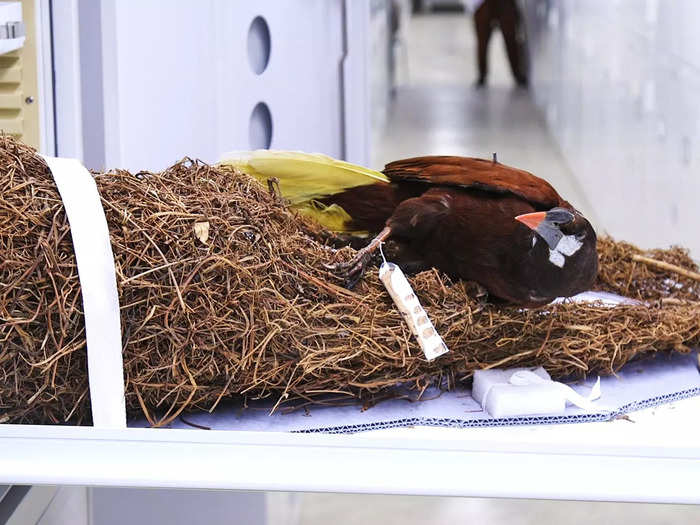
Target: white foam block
522 400
485 380
525 392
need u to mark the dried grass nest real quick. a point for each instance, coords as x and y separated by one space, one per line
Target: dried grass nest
250 310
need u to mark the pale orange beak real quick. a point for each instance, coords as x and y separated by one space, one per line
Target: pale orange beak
532 220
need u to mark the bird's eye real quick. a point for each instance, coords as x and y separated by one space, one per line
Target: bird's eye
558 217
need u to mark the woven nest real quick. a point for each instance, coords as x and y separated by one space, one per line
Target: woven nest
247 308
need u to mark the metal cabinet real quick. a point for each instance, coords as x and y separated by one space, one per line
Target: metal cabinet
139 85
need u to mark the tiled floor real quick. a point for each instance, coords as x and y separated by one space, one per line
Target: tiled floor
335 509
437 111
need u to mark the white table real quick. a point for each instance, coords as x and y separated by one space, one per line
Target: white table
655 457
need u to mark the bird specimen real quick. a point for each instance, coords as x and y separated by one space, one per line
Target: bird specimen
474 219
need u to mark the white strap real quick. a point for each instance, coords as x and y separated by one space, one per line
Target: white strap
98 283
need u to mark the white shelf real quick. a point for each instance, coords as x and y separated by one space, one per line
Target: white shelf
656 458
10 13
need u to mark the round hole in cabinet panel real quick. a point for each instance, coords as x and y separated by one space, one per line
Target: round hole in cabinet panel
258 45
260 127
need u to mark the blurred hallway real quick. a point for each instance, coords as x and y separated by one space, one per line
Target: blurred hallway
437 110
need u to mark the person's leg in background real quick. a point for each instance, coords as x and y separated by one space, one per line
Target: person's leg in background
483 24
511 21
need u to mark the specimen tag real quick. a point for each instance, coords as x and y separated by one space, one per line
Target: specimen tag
415 316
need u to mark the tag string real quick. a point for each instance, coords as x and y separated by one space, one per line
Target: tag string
381 251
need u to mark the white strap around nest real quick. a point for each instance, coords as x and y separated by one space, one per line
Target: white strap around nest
98 283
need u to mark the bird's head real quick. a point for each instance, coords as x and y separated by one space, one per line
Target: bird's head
563 230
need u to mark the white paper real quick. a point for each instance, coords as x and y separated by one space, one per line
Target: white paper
98 283
527 378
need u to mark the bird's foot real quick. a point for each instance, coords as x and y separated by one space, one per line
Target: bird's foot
353 270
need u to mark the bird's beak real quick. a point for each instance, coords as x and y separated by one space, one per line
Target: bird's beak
532 220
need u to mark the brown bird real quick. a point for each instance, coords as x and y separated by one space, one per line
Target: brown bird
473 219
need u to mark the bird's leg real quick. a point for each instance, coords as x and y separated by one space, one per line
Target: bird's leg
353 269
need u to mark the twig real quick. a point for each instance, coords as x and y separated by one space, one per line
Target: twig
667 266
334 289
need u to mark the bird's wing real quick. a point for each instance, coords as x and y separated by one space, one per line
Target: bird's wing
471 173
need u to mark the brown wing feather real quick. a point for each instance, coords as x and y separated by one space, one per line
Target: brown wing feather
467 172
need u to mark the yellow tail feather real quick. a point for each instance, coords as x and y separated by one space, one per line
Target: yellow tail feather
333 217
306 177
302 176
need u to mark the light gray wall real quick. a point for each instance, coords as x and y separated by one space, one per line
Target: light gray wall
619 82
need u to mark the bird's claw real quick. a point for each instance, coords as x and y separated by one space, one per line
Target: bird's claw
352 270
